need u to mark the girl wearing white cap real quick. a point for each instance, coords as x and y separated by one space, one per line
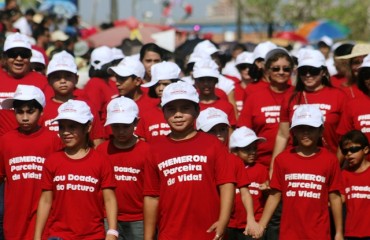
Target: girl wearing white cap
75 183
313 87
150 54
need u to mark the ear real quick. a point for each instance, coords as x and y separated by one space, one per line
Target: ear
366 150
138 81
89 127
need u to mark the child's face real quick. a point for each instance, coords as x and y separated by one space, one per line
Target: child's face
73 134
180 115
206 85
248 154
123 133
62 82
27 118
127 85
354 154
221 131
307 136
160 87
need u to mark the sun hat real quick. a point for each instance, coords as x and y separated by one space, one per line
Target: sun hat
80 48
179 91
262 49
25 93
121 110
127 67
37 57
358 49
163 71
209 118
206 47
62 61
307 114
242 137
273 52
58 35
74 110
205 68
310 57
17 40
244 58
101 56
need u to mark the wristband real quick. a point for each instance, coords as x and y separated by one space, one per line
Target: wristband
112 232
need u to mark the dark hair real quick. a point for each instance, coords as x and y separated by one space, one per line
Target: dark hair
354 136
276 57
29 103
151 92
363 74
239 46
39 31
150 47
100 73
90 143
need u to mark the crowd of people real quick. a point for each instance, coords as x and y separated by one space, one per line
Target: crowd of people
96 144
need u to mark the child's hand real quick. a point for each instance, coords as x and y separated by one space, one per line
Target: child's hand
110 237
218 229
254 229
264 186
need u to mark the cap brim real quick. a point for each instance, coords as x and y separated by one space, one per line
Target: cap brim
120 71
72 118
311 124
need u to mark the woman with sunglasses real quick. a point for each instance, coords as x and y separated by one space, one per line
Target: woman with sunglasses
356 114
313 87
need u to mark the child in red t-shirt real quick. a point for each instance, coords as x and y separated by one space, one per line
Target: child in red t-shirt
243 144
306 177
214 121
128 155
188 185
76 181
356 179
22 155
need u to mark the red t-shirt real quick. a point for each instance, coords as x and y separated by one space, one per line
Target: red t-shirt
305 184
351 91
357 192
257 174
356 115
186 179
7 120
128 165
21 162
338 81
261 113
224 106
152 124
146 103
255 87
240 97
77 211
331 102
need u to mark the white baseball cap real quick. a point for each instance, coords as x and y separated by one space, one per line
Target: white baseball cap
163 71
206 47
74 110
121 110
307 114
262 49
127 67
242 137
196 57
179 90
58 35
100 56
311 57
17 40
365 62
273 52
205 68
327 40
37 57
117 54
62 61
244 58
210 117
25 93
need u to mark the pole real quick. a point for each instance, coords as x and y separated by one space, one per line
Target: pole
114 10
239 21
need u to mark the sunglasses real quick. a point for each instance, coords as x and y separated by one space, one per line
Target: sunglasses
278 69
244 66
313 71
353 149
14 53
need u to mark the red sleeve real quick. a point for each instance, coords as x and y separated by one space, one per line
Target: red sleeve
140 129
151 177
335 180
346 121
277 175
284 110
242 178
47 175
108 180
225 172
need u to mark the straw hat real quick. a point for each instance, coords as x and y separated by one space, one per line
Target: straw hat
360 49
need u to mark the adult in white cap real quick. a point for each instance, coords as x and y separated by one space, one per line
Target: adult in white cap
306 163
356 110
312 87
325 45
122 117
28 144
150 54
202 168
17 55
38 62
152 122
85 179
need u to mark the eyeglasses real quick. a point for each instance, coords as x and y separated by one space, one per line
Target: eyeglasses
14 53
353 149
278 69
313 71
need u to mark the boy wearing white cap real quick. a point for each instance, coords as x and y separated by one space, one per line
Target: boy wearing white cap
306 177
22 156
188 185
128 155
77 183
152 122
62 77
